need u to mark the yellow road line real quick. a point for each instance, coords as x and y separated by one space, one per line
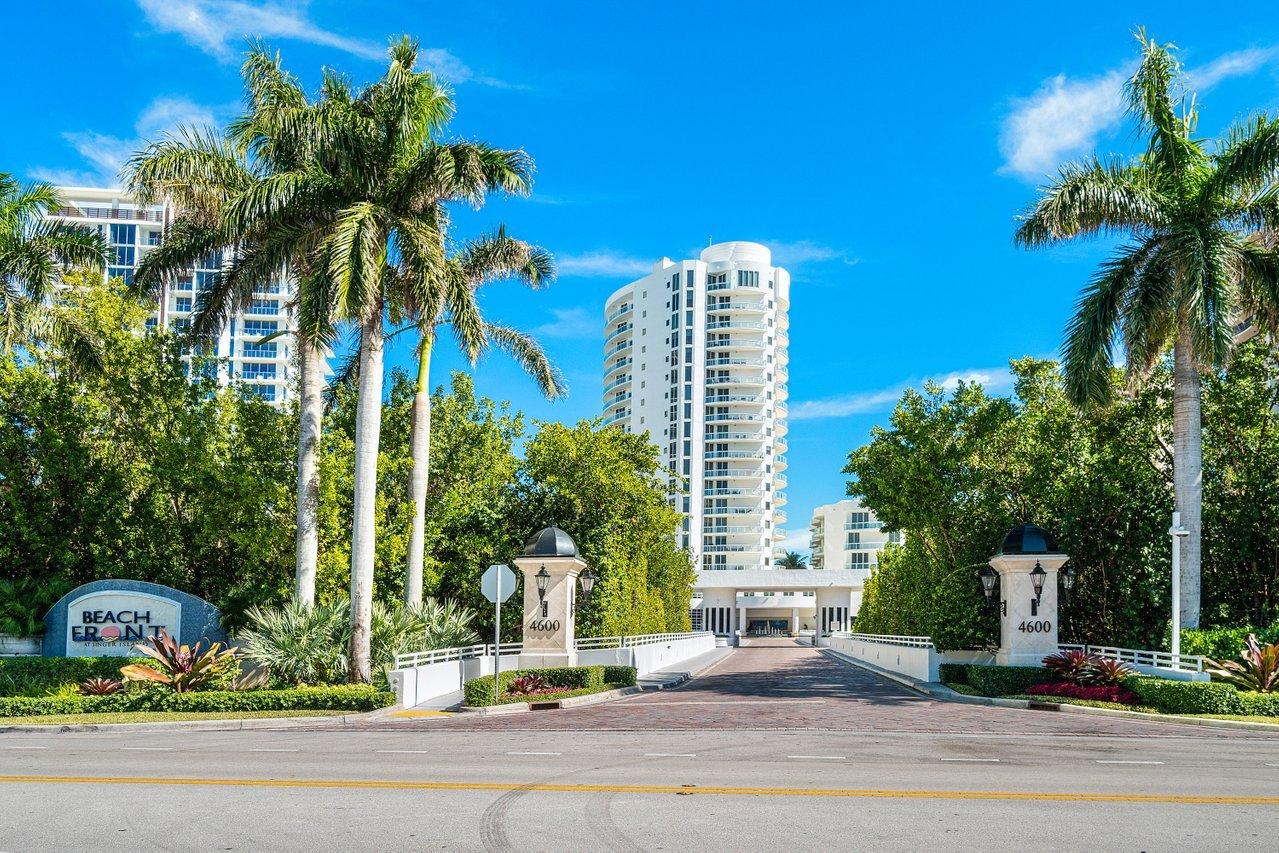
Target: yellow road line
854 793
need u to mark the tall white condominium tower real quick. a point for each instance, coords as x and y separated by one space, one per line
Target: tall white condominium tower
131 230
846 535
695 355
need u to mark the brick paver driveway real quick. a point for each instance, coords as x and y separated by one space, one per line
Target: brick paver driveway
777 685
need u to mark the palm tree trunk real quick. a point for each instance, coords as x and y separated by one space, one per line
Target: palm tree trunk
420 445
1187 443
310 414
368 428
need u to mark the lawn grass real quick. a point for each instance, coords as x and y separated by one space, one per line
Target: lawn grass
158 717
553 696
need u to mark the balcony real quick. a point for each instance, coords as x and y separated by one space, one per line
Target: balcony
620 397
780 481
732 285
618 332
734 344
863 546
619 313
721 417
732 493
718 381
730 510
861 525
621 380
725 399
110 213
734 324
736 305
620 347
621 364
754 530
731 361
780 409
734 436
780 459
616 417
729 549
733 473
779 498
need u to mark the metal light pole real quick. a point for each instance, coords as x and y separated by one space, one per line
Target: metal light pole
1176 532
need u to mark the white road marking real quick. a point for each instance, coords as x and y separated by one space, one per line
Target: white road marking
1118 761
270 749
36 747
742 702
535 753
670 755
404 751
987 760
148 748
818 757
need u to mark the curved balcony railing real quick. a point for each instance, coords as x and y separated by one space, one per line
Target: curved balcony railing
620 312
734 454
736 305
734 324
735 436
724 399
780 409
733 473
620 397
732 493
779 497
728 549
620 365
731 510
732 285
621 380
733 361
616 333
719 381
617 416
621 346
732 530
720 418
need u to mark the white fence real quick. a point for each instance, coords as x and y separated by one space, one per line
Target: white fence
912 656
422 676
1164 664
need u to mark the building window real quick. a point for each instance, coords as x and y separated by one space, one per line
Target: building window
260 328
257 370
182 303
124 235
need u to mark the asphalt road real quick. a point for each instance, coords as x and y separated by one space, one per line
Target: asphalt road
977 783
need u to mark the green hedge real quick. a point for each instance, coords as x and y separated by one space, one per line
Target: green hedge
1224 643
990 680
36 676
478 692
345 697
953 673
1185 697
1259 704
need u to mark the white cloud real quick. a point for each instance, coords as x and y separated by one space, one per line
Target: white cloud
1066 116
798 540
105 155
571 323
1062 119
221 27
602 264
1240 62
994 380
218 27
800 252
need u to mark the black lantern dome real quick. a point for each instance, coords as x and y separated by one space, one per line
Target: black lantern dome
550 542
1028 539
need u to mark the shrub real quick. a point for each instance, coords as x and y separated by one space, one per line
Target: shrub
953 673
182 668
346 697
478 692
308 645
1259 670
100 686
990 680
36 676
1185 697
1259 704
1108 672
1222 643
526 684
24 601
1092 692
1069 666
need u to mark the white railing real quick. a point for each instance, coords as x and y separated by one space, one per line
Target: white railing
887 639
1142 657
426 658
624 642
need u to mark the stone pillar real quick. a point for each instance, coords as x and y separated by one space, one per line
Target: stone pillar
548 622
1027 633
794 620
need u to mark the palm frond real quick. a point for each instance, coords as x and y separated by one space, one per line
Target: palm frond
1247 160
1090 335
530 356
1092 198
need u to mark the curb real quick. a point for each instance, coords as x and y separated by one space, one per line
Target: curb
232 725
936 690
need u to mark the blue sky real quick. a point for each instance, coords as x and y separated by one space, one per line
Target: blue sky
881 150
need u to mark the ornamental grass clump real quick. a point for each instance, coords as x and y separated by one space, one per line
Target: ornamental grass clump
100 686
1258 669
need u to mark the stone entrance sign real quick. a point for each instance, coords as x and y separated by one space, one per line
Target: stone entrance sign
107 618
1027 621
550 565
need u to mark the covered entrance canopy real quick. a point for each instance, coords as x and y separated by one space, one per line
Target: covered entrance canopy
763 600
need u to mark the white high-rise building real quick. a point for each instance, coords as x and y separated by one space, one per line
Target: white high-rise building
695 355
847 535
133 229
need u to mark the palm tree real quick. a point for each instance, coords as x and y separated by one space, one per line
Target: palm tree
382 177
480 262
33 253
793 560
1193 262
207 176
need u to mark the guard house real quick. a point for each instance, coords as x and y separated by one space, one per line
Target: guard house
763 602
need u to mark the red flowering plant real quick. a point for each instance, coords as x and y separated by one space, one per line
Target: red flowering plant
1095 692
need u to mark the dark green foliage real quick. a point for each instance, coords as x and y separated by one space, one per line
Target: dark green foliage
957 469
953 673
1186 697
36 676
478 692
345 697
1258 704
622 676
1004 680
25 600
1224 643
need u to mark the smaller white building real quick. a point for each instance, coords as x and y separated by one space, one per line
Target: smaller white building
847 535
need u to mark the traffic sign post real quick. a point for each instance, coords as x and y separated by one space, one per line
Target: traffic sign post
497 585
